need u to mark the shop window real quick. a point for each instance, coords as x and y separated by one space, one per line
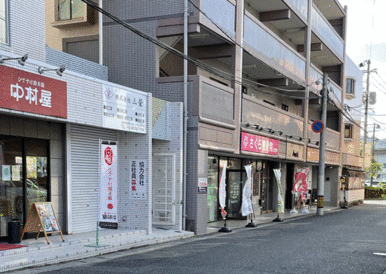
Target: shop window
350 86
348 131
213 180
3 22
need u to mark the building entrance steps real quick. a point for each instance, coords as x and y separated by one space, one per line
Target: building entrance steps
265 218
80 246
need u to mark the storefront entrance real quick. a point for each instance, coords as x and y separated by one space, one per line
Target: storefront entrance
24 178
266 189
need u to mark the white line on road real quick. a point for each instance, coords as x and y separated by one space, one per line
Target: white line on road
379 254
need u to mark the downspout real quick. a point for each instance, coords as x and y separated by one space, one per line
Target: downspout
186 9
100 23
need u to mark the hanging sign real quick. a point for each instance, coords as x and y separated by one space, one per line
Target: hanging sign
29 92
41 216
108 187
317 126
137 179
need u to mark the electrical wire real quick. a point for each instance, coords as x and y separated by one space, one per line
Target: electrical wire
215 71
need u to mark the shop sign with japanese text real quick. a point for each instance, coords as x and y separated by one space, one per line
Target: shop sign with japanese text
108 186
28 92
259 144
124 109
137 179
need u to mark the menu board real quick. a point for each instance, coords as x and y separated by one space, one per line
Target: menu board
256 183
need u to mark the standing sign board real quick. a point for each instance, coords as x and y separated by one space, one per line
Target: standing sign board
108 187
137 179
41 216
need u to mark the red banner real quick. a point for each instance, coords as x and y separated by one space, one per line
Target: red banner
260 144
25 91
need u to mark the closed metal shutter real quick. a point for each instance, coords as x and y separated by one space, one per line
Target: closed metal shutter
164 189
85 174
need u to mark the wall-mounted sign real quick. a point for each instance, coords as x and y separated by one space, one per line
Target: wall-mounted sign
137 179
123 109
108 186
25 91
202 185
260 144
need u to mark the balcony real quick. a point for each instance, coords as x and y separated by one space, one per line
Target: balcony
352 160
266 46
299 6
326 34
332 138
221 12
257 112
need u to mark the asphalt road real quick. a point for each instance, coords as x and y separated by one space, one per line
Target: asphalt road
340 242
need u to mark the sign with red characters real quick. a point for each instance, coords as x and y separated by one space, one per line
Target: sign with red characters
108 187
29 92
259 144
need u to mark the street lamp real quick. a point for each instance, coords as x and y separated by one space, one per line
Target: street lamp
372 160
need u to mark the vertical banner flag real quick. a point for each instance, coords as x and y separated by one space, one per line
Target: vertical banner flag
280 200
300 182
108 186
246 206
137 179
222 192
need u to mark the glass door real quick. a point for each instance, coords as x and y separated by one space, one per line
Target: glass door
234 192
11 182
37 171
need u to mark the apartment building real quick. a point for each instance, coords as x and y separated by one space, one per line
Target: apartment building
62 131
353 173
252 97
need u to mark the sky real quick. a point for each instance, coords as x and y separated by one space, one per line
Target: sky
366 39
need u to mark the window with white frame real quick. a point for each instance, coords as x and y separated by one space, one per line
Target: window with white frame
3 22
350 86
348 131
70 9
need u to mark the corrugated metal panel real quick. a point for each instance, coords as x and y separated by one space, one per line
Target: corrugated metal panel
85 174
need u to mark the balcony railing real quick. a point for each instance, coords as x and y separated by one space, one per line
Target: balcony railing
332 137
324 30
222 13
266 43
256 112
300 6
352 160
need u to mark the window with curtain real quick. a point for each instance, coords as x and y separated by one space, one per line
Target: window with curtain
3 21
70 9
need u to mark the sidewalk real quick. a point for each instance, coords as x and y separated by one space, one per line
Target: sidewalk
39 253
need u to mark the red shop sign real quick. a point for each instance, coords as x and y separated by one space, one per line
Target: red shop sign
25 91
260 144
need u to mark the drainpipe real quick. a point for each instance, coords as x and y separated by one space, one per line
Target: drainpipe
100 23
186 9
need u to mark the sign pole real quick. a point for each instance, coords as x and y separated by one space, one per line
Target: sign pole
322 148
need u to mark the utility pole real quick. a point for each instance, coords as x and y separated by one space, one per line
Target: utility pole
373 153
366 106
322 147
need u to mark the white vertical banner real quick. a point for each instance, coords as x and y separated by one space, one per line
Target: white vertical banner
280 200
108 186
138 183
222 188
246 206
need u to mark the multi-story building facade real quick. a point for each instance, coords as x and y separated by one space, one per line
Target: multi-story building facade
352 159
256 82
60 127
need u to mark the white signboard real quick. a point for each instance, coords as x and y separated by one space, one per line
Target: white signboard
124 109
137 179
108 184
